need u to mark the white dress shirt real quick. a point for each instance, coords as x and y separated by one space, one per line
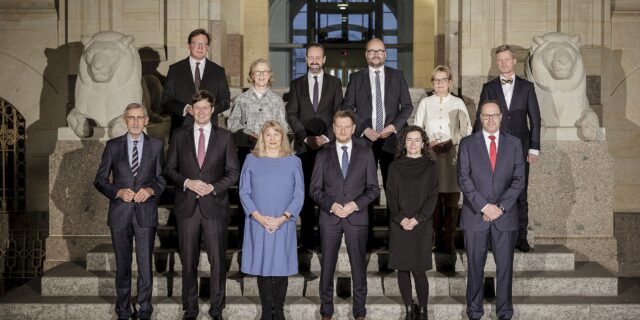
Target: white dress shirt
311 83
196 135
507 89
372 79
340 151
192 63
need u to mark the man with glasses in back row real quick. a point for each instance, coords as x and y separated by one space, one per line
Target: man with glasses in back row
188 76
379 97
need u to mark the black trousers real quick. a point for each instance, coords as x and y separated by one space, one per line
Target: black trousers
214 232
383 160
523 204
308 214
122 240
273 291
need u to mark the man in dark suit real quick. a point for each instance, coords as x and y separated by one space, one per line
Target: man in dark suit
188 76
134 161
521 118
380 98
313 100
343 184
491 177
203 163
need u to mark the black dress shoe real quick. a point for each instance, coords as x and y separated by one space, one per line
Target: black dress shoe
186 317
218 317
523 245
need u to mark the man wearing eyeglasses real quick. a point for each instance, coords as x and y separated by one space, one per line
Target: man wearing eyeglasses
379 96
134 161
520 117
491 177
188 76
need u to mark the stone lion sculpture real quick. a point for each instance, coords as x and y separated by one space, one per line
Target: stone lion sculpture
109 78
555 66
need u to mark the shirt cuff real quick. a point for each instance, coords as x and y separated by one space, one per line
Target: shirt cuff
184 185
534 152
325 138
485 206
184 111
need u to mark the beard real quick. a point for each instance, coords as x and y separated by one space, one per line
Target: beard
315 68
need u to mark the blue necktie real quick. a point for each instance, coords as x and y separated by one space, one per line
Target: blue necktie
379 115
135 162
345 161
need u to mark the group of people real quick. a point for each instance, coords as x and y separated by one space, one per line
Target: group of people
338 144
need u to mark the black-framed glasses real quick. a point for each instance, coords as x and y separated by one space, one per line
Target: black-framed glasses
490 116
440 80
199 44
374 52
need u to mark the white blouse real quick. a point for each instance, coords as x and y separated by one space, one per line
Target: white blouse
434 115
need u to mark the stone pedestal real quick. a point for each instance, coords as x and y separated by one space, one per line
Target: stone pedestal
77 211
570 199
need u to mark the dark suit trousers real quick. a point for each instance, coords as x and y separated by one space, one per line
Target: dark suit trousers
356 240
523 204
122 240
215 238
383 159
309 218
476 243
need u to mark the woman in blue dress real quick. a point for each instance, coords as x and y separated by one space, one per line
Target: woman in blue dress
272 193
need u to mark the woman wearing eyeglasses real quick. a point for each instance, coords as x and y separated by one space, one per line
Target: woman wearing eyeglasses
254 107
445 119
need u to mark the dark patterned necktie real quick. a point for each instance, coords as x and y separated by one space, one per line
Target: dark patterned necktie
135 161
197 76
316 93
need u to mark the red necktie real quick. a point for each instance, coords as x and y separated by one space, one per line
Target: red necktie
201 148
493 152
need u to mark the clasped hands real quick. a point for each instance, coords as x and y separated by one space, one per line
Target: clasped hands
200 187
345 210
271 224
374 135
128 195
491 212
315 142
408 224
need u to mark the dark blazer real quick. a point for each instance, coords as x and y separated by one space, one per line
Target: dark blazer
522 119
481 186
221 169
397 102
179 88
300 107
329 187
115 162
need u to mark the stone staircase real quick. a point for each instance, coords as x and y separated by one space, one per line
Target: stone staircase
548 284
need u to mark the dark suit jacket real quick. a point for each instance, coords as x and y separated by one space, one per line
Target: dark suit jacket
115 162
329 187
523 113
179 88
221 169
481 186
300 107
397 103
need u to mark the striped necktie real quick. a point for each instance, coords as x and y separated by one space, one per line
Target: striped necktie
135 160
379 114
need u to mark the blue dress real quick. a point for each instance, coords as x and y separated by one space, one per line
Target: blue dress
271 186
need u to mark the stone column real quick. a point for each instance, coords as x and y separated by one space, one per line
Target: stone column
423 42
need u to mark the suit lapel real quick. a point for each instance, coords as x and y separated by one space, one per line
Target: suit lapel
124 149
146 153
367 87
502 145
387 87
323 90
334 159
208 156
303 86
186 66
517 87
482 147
191 141
354 154
497 88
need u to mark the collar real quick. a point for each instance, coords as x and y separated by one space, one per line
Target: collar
513 78
319 75
193 60
348 144
486 134
372 70
131 139
206 128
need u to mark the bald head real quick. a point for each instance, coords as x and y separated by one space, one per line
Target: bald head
490 116
376 53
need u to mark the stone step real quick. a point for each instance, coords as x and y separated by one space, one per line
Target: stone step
543 258
588 279
26 303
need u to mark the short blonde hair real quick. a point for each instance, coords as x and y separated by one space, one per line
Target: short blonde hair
261 148
444 69
253 66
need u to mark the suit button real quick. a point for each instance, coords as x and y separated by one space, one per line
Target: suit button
260 109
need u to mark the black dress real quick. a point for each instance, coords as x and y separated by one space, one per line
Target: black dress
412 190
